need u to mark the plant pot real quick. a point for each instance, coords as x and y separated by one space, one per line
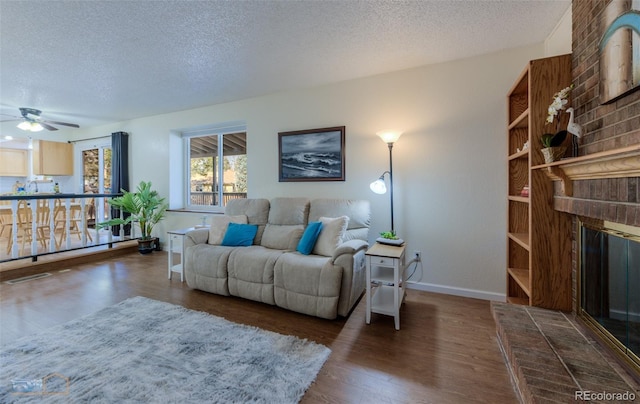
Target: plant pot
552 154
146 246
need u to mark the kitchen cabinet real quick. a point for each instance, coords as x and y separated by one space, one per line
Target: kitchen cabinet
13 163
52 158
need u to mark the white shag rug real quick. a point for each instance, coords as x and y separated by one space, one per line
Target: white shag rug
146 351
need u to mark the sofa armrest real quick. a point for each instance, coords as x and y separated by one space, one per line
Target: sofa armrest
350 247
197 236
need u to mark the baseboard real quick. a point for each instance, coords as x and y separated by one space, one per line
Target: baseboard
463 292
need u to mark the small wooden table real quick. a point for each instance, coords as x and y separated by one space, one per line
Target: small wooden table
176 246
385 281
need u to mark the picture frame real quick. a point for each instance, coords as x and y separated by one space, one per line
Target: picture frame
312 155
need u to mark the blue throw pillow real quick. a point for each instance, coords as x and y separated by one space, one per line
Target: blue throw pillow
239 235
309 238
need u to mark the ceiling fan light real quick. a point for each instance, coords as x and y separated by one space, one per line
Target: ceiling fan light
36 127
24 125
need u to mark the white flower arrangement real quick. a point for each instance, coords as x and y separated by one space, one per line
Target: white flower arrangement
559 103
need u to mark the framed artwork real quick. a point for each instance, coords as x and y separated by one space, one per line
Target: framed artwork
619 50
311 155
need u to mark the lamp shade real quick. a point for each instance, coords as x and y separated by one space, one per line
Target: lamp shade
389 136
378 186
30 126
24 125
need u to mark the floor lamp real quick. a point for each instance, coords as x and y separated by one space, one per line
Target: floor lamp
378 186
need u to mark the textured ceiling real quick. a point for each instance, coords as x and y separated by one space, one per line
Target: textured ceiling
96 62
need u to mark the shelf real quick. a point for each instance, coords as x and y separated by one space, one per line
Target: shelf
521 276
384 275
382 300
521 238
515 198
520 155
522 121
616 163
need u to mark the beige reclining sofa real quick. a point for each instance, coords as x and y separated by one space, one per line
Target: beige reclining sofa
325 283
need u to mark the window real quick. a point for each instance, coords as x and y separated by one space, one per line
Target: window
96 179
216 166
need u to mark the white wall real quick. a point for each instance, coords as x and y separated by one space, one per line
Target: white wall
559 41
449 166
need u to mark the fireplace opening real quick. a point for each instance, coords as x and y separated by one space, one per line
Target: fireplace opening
609 285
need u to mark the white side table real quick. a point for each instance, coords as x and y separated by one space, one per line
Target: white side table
385 281
176 246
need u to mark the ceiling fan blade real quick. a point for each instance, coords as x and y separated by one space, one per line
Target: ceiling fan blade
11 120
73 125
47 126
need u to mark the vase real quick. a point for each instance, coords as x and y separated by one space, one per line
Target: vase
146 246
552 154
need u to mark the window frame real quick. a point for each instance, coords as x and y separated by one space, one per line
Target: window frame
219 130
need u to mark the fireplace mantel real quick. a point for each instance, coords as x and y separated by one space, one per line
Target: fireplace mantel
615 163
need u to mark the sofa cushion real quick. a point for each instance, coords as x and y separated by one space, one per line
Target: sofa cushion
309 238
307 284
358 212
205 268
219 225
289 211
250 272
256 210
239 235
331 236
287 218
282 237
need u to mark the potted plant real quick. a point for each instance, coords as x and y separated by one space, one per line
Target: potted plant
144 207
553 142
389 237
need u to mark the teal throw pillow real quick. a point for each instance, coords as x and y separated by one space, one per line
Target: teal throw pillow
239 235
309 238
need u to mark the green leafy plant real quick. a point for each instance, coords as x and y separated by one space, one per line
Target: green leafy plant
391 235
144 207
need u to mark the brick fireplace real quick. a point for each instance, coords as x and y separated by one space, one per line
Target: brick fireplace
550 356
607 128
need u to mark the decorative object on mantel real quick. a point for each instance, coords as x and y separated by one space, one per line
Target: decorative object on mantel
575 130
618 48
378 186
553 149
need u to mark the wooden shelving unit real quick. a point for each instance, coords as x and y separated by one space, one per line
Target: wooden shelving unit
538 237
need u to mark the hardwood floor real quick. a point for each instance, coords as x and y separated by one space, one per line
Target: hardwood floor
445 352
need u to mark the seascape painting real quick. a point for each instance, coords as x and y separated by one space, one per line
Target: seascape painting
312 155
619 49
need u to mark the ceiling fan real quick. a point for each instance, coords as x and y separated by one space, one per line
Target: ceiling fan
32 121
